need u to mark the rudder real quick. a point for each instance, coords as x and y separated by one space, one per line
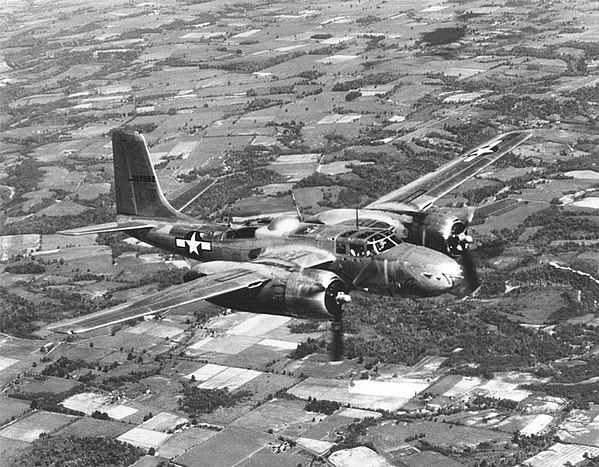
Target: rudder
136 186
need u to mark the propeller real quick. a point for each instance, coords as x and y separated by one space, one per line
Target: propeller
337 342
469 269
341 298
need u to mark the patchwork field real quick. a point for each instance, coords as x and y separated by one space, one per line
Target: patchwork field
365 394
10 407
561 454
580 427
163 422
503 386
89 402
183 441
143 438
87 426
30 427
279 415
240 444
385 437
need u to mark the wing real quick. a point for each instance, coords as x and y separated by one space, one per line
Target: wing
108 227
422 193
295 257
200 289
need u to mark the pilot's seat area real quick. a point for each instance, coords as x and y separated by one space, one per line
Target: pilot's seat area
359 242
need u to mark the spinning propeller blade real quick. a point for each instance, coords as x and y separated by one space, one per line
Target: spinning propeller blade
470 274
337 342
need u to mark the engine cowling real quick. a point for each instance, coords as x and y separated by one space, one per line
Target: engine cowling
311 293
444 230
315 294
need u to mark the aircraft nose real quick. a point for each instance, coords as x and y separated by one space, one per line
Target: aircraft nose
448 274
432 272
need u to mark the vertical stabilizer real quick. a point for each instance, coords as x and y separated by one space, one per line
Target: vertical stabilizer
136 186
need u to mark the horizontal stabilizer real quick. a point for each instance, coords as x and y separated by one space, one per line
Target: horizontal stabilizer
108 227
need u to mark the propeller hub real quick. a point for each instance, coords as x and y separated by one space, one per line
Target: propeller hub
343 298
459 240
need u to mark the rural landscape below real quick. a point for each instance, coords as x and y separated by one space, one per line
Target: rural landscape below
257 109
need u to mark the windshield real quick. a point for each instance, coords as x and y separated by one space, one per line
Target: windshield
365 243
382 242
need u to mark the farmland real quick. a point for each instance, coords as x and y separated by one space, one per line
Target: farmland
253 109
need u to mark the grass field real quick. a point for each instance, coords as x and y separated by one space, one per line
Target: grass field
143 438
240 444
362 393
81 350
10 449
89 402
87 426
183 441
10 408
389 437
48 384
5 362
280 415
325 428
163 421
13 347
270 457
503 386
29 428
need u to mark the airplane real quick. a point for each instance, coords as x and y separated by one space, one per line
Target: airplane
305 268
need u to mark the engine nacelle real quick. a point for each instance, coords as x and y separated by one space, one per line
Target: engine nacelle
311 293
315 294
444 230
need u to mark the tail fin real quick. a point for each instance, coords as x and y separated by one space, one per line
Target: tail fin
136 186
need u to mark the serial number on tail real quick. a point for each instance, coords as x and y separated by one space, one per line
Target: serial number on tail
143 178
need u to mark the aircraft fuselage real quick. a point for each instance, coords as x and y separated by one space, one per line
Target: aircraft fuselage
373 259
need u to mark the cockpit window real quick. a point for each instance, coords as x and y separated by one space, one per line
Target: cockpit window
356 249
365 243
382 242
243 232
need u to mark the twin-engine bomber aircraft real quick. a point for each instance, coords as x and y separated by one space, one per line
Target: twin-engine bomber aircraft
305 268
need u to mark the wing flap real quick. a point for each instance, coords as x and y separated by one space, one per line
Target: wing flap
422 193
190 292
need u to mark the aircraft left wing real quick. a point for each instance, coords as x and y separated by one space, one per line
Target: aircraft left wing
108 227
178 295
420 194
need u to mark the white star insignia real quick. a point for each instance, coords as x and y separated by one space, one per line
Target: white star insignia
193 244
488 149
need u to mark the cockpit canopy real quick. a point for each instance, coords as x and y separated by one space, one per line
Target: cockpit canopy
365 242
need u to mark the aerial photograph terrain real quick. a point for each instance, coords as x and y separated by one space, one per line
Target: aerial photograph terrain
283 234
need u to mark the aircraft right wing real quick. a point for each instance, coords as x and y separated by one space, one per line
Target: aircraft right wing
202 288
420 194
